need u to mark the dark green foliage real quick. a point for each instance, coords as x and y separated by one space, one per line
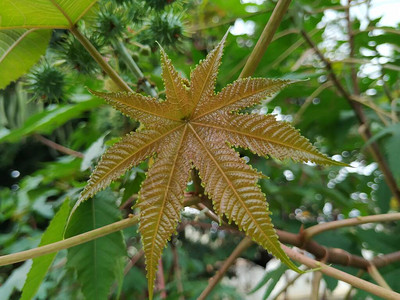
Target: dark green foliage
165 28
77 57
98 263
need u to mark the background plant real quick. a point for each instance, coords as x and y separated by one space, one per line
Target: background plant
326 108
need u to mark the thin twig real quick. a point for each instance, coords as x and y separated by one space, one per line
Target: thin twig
243 245
100 60
134 68
373 271
58 147
265 38
177 271
319 228
287 285
160 281
340 275
374 148
309 99
315 283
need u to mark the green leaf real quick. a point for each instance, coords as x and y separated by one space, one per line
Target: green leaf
42 13
20 49
271 278
40 266
392 150
98 263
14 281
48 120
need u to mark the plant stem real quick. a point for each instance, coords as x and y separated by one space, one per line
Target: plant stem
373 271
243 245
134 68
317 229
265 38
100 60
286 286
58 147
340 275
68 243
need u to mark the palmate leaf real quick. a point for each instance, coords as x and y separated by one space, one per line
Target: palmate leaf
196 128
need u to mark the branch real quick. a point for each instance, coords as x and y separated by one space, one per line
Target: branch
243 245
375 151
340 275
331 255
58 147
317 229
100 60
265 38
134 68
373 271
68 243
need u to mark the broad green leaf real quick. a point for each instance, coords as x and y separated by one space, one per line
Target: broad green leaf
40 266
42 13
15 281
48 120
270 279
20 49
98 263
194 128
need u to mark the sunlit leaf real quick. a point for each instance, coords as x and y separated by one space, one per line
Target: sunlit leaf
20 49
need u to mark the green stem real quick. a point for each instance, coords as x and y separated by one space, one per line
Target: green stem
134 68
68 243
243 245
265 38
340 275
100 60
317 229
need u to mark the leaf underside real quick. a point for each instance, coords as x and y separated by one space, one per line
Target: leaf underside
196 128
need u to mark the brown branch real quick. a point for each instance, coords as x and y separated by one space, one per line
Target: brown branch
177 271
243 245
331 255
58 147
357 108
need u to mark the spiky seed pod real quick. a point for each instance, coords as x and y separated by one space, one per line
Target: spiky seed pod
77 57
112 22
47 83
158 4
166 28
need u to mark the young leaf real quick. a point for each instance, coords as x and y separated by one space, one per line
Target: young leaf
20 49
40 266
194 128
98 263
